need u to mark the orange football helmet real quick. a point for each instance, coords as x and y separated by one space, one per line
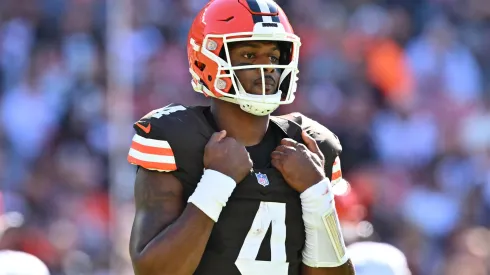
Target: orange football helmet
225 21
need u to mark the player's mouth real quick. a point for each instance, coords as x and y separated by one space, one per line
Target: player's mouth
270 84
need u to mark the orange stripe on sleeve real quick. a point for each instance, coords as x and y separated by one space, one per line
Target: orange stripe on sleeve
152 150
152 165
336 175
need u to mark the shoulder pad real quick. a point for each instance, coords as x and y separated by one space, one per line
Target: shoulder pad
164 136
327 141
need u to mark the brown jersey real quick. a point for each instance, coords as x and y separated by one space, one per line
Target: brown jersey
261 228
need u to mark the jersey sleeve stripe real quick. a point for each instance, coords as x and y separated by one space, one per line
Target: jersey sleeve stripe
152 165
151 142
151 154
151 150
151 157
337 175
336 171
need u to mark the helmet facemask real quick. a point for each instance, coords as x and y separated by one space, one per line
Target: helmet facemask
226 83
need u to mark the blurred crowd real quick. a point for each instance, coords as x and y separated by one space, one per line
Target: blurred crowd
405 84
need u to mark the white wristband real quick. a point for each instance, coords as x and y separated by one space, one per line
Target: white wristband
324 245
212 193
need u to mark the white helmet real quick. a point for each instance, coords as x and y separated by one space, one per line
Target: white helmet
21 263
372 258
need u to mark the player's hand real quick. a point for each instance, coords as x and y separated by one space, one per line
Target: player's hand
301 166
226 155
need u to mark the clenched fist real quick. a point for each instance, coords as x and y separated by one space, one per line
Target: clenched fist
226 155
301 166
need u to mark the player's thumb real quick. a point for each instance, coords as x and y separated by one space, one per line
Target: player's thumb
310 143
218 136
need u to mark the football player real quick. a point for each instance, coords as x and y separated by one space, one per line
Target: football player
228 188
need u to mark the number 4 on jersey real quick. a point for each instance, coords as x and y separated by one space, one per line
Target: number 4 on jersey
167 110
269 213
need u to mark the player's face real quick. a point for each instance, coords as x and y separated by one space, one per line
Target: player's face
256 53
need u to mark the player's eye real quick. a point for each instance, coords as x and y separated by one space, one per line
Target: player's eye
249 55
274 59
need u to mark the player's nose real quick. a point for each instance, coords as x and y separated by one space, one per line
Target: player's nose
269 70
266 60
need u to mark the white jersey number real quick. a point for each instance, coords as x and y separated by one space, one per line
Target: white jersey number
269 213
167 110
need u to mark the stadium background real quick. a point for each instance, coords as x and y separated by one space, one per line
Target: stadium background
404 83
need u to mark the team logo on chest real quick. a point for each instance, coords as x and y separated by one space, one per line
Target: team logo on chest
262 179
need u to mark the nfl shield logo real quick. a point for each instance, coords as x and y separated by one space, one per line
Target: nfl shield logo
262 179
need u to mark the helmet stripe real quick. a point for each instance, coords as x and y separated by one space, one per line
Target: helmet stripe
261 6
273 9
254 6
